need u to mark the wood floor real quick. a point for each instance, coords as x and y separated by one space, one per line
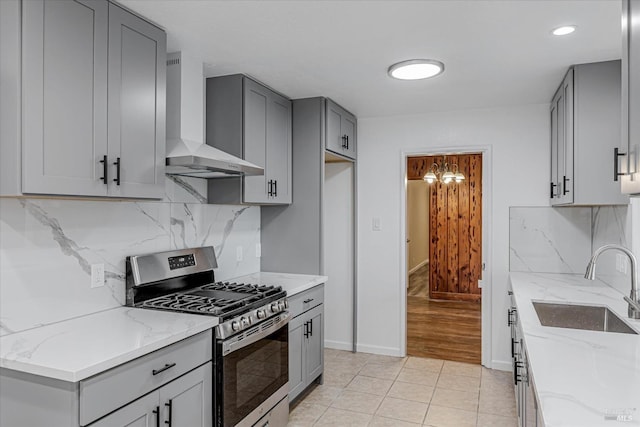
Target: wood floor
448 330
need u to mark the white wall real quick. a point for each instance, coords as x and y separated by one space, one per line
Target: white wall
417 223
519 137
338 255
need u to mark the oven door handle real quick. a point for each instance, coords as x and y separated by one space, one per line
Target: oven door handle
233 344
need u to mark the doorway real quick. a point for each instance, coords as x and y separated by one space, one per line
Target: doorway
444 256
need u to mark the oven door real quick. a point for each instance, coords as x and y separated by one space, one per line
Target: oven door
252 372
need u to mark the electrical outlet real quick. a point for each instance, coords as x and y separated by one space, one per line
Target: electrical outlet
258 250
97 275
239 255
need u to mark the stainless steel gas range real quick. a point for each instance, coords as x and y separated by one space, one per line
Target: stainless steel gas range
251 341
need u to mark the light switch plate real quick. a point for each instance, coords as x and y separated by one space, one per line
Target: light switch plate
239 255
97 275
375 224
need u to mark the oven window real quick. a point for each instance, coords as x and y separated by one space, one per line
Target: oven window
253 373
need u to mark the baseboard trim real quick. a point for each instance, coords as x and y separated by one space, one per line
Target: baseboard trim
338 345
501 365
417 267
374 349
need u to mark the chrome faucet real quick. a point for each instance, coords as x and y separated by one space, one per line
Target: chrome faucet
634 298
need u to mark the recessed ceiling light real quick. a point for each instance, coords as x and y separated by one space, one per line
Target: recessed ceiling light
564 30
416 69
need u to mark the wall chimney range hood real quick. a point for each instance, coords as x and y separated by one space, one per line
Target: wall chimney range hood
187 155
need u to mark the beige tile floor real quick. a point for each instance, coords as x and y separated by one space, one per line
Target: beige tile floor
362 389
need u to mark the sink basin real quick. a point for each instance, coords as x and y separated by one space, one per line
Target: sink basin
576 316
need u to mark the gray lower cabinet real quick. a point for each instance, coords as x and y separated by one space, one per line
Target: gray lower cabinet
306 339
170 386
251 121
585 137
631 94
93 101
341 130
186 401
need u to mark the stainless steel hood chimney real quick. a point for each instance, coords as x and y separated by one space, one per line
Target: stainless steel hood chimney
187 155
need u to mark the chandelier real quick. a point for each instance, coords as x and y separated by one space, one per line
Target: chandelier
442 173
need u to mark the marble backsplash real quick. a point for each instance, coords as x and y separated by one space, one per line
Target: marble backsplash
561 240
47 247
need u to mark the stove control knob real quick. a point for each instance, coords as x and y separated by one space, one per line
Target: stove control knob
235 326
244 322
286 303
274 307
281 305
261 314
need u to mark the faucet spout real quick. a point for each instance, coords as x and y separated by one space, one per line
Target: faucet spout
634 296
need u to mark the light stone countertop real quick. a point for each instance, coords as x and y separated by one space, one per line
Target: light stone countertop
292 283
75 349
580 376
78 348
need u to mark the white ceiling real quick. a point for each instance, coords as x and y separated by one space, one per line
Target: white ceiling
496 52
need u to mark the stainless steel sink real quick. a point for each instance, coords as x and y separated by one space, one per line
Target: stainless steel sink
576 316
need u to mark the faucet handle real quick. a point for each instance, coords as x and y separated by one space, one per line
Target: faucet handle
634 308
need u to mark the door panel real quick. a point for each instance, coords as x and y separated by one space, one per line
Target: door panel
137 414
455 228
191 398
296 356
65 96
137 98
256 102
279 151
315 343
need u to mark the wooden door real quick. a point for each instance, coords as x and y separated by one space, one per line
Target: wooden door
455 228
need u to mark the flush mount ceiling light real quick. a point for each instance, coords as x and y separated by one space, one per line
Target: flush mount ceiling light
416 69
564 30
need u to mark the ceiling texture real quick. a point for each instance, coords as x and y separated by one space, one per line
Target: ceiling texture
496 52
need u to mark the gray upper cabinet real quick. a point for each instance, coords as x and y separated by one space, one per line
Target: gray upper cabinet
93 101
251 121
585 136
341 130
64 96
137 97
631 95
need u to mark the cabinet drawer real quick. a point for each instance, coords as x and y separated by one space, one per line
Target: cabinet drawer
306 300
110 390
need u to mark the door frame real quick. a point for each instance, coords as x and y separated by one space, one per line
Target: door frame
486 281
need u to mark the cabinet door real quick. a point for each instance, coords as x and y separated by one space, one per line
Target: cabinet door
553 189
64 96
143 412
188 400
315 343
631 94
137 82
348 128
340 131
279 149
296 356
256 105
334 140
565 140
